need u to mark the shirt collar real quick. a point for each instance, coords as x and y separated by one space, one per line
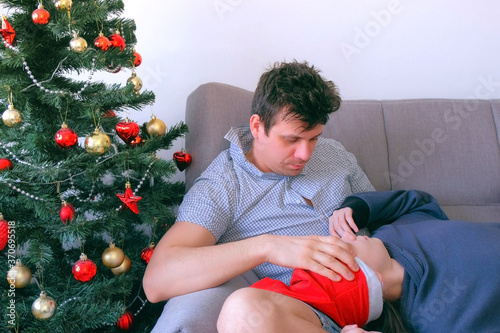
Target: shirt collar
240 138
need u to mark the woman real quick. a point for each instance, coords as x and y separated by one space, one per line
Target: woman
438 275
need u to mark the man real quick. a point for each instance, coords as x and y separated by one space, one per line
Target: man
258 203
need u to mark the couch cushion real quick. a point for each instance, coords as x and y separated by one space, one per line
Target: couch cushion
359 126
448 148
211 110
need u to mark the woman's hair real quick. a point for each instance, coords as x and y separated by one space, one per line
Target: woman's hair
390 321
299 91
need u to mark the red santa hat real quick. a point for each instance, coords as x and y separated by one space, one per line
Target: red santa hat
347 302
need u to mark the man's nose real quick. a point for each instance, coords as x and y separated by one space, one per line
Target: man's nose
304 151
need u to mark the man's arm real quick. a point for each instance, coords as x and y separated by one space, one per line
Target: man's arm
186 259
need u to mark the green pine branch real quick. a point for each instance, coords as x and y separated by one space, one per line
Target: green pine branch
44 174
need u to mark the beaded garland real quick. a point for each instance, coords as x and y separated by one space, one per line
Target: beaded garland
75 94
138 297
70 178
14 157
39 85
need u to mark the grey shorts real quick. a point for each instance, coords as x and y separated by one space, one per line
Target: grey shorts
328 324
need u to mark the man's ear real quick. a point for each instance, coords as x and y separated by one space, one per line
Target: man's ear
255 125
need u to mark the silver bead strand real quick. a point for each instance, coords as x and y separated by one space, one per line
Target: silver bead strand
14 157
29 195
61 92
76 191
144 177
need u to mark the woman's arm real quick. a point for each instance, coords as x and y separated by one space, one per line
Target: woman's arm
375 209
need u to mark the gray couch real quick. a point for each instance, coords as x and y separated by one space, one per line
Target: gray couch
449 148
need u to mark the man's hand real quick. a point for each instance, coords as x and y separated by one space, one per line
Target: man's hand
342 224
354 329
325 255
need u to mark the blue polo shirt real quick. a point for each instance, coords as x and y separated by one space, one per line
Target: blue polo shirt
234 200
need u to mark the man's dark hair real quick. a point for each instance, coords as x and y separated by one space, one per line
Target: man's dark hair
299 91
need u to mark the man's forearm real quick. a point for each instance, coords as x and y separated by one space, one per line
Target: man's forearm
178 270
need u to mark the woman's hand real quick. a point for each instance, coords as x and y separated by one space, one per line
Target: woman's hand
342 224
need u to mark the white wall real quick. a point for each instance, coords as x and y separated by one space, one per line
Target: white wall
377 49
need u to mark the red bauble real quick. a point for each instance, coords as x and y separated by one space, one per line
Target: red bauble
117 41
127 130
5 164
40 16
4 233
137 59
147 252
8 33
67 212
125 321
84 269
102 42
182 159
66 137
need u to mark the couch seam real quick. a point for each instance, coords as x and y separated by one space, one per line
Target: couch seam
495 122
389 178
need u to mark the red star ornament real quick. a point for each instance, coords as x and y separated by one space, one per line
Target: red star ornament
8 33
129 199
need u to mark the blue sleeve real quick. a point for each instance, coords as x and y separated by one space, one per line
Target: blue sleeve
374 209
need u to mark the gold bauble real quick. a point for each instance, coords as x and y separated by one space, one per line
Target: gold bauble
63 4
78 44
113 256
156 127
43 307
97 143
136 81
19 275
11 117
124 267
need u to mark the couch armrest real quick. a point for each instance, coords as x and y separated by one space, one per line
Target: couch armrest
198 312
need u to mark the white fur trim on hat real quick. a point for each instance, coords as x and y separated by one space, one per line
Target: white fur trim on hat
374 291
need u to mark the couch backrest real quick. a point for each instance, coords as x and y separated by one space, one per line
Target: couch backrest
449 148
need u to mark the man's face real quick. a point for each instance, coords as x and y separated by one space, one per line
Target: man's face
286 149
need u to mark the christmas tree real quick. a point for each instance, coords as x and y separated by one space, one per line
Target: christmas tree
83 194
